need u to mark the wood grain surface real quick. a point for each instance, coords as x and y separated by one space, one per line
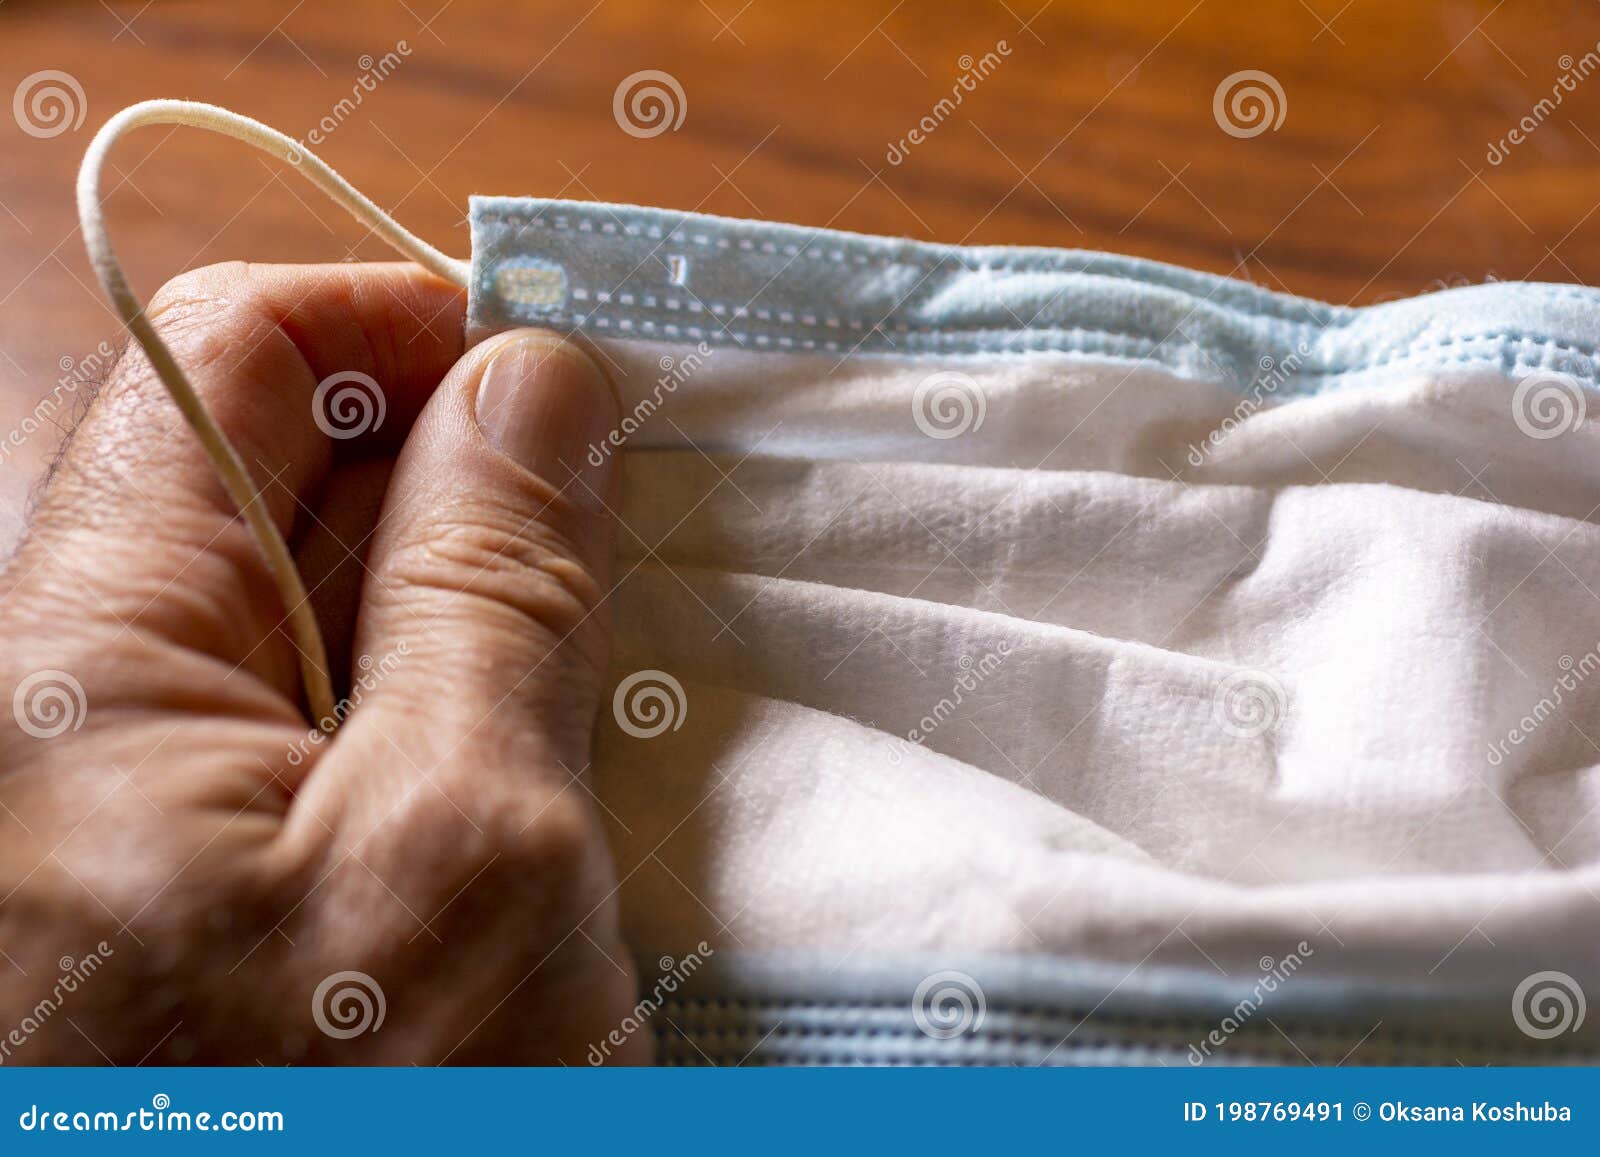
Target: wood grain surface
1391 172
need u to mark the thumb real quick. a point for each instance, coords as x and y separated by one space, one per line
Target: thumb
483 650
492 562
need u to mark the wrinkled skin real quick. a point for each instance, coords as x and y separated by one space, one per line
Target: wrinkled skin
182 836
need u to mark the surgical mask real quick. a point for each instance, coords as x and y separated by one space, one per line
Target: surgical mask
1041 656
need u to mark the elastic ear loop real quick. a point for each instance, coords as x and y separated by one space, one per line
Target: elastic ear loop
235 477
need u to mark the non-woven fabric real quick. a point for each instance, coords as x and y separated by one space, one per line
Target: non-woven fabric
1009 602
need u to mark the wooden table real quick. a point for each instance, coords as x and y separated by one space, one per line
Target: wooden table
1095 126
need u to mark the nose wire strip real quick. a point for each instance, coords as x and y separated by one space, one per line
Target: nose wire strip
230 468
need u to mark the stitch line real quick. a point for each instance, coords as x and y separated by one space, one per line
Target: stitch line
943 334
1266 303
1222 293
699 1011
1266 327
958 333
1082 341
1332 1032
990 1043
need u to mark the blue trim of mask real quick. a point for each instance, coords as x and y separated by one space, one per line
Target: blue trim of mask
658 275
754 1008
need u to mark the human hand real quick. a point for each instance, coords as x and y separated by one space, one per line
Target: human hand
176 823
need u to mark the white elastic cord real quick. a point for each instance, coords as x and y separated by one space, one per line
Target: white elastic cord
302 619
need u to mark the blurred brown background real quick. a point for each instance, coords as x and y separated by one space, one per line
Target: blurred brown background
1097 129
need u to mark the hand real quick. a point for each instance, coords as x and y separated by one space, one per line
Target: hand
174 841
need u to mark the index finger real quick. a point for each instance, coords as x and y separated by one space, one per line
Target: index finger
134 524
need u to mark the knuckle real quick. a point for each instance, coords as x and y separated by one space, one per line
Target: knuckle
544 856
120 418
498 847
214 312
557 835
205 288
528 569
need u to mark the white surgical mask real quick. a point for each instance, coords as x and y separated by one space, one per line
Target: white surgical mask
1030 655
999 603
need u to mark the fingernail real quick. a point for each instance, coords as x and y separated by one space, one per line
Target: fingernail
543 403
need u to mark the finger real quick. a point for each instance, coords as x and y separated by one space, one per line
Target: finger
482 650
256 342
135 530
493 560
